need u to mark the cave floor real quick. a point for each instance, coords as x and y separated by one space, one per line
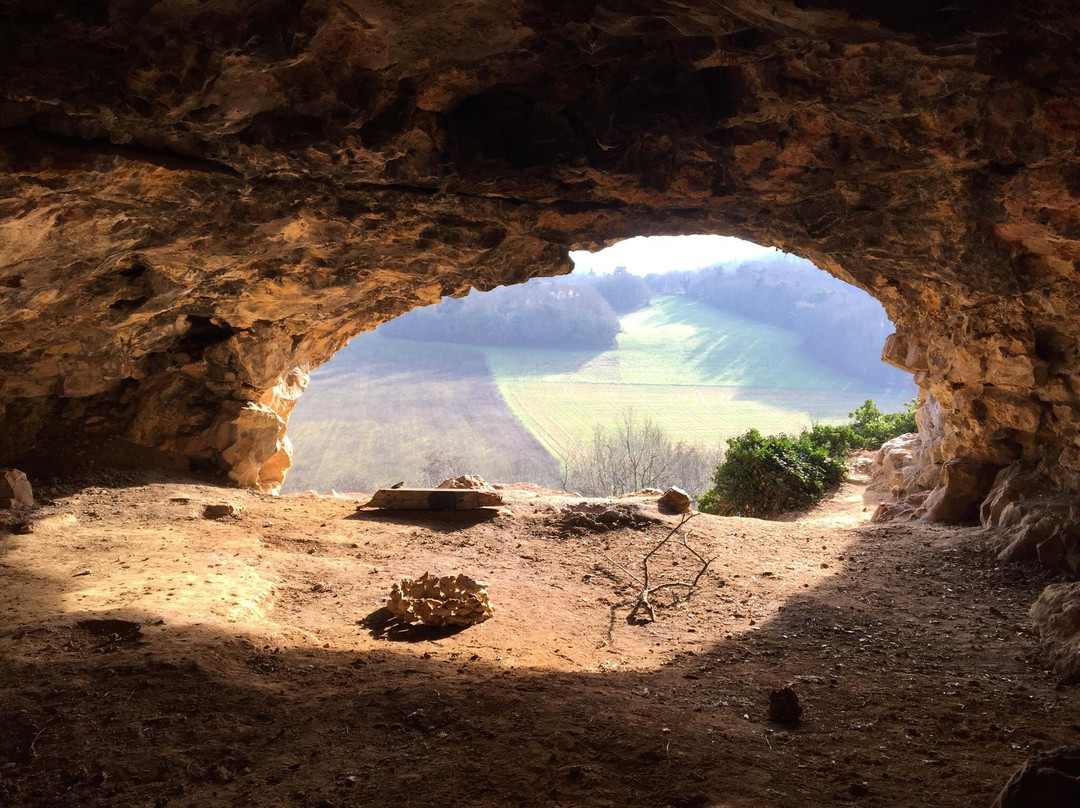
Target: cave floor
150 656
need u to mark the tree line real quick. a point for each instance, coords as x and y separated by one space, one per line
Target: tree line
841 326
532 315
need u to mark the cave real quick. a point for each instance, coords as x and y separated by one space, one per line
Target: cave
191 227
191 224
200 202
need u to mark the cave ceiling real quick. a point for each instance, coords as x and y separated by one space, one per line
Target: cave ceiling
202 201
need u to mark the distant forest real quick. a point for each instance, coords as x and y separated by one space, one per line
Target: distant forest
532 315
841 326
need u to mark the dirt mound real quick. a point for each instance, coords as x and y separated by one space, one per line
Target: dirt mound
601 517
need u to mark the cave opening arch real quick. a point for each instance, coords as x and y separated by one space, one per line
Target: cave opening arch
703 337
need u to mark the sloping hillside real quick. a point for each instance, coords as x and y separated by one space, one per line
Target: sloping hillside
704 373
380 411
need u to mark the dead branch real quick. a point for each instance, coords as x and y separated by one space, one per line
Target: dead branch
647 587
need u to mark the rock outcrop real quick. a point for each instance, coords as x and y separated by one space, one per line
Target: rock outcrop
1046 780
1056 618
201 202
15 490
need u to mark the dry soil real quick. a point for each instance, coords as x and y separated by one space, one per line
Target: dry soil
151 656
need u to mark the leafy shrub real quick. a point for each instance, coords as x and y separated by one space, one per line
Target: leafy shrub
837 441
767 476
872 427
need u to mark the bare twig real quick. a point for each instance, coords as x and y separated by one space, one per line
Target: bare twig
621 567
32 750
644 580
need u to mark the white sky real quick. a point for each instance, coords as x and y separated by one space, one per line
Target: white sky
646 254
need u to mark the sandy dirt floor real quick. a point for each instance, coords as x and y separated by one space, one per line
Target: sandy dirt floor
150 656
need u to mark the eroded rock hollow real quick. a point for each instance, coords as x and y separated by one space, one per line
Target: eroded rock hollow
202 201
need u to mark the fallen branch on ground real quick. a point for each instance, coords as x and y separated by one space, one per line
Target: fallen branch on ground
647 588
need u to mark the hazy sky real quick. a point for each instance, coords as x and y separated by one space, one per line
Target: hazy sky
643 255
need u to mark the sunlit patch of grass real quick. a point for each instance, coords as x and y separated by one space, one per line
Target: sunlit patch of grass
705 374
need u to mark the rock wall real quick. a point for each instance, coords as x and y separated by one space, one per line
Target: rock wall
201 202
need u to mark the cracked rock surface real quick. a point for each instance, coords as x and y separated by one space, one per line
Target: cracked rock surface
201 202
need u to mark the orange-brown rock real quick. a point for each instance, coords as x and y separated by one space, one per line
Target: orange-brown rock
199 202
1056 617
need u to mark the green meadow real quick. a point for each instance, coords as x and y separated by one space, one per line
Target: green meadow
705 374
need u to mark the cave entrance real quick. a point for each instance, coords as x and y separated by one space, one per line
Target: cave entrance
703 337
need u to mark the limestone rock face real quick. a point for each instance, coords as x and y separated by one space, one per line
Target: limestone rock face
15 490
964 483
901 466
200 202
1034 520
1056 616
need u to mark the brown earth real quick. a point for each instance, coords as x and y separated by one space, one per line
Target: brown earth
151 656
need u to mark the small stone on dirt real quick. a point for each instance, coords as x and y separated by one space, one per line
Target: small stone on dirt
15 490
220 510
675 500
784 706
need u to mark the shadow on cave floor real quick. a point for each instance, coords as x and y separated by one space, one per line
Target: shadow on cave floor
920 682
442 521
384 625
62 465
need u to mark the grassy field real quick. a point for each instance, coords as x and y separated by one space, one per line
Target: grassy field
705 374
676 342
370 417
372 414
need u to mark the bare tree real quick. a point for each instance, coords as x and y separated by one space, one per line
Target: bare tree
635 453
440 464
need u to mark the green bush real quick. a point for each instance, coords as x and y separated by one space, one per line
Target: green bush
872 427
767 476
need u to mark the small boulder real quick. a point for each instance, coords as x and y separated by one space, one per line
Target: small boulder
15 489
219 510
473 481
784 706
1047 780
675 500
1056 617
1025 540
486 495
1012 485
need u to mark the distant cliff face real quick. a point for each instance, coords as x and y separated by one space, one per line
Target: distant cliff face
202 201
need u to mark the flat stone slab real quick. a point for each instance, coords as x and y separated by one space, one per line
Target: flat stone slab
432 499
